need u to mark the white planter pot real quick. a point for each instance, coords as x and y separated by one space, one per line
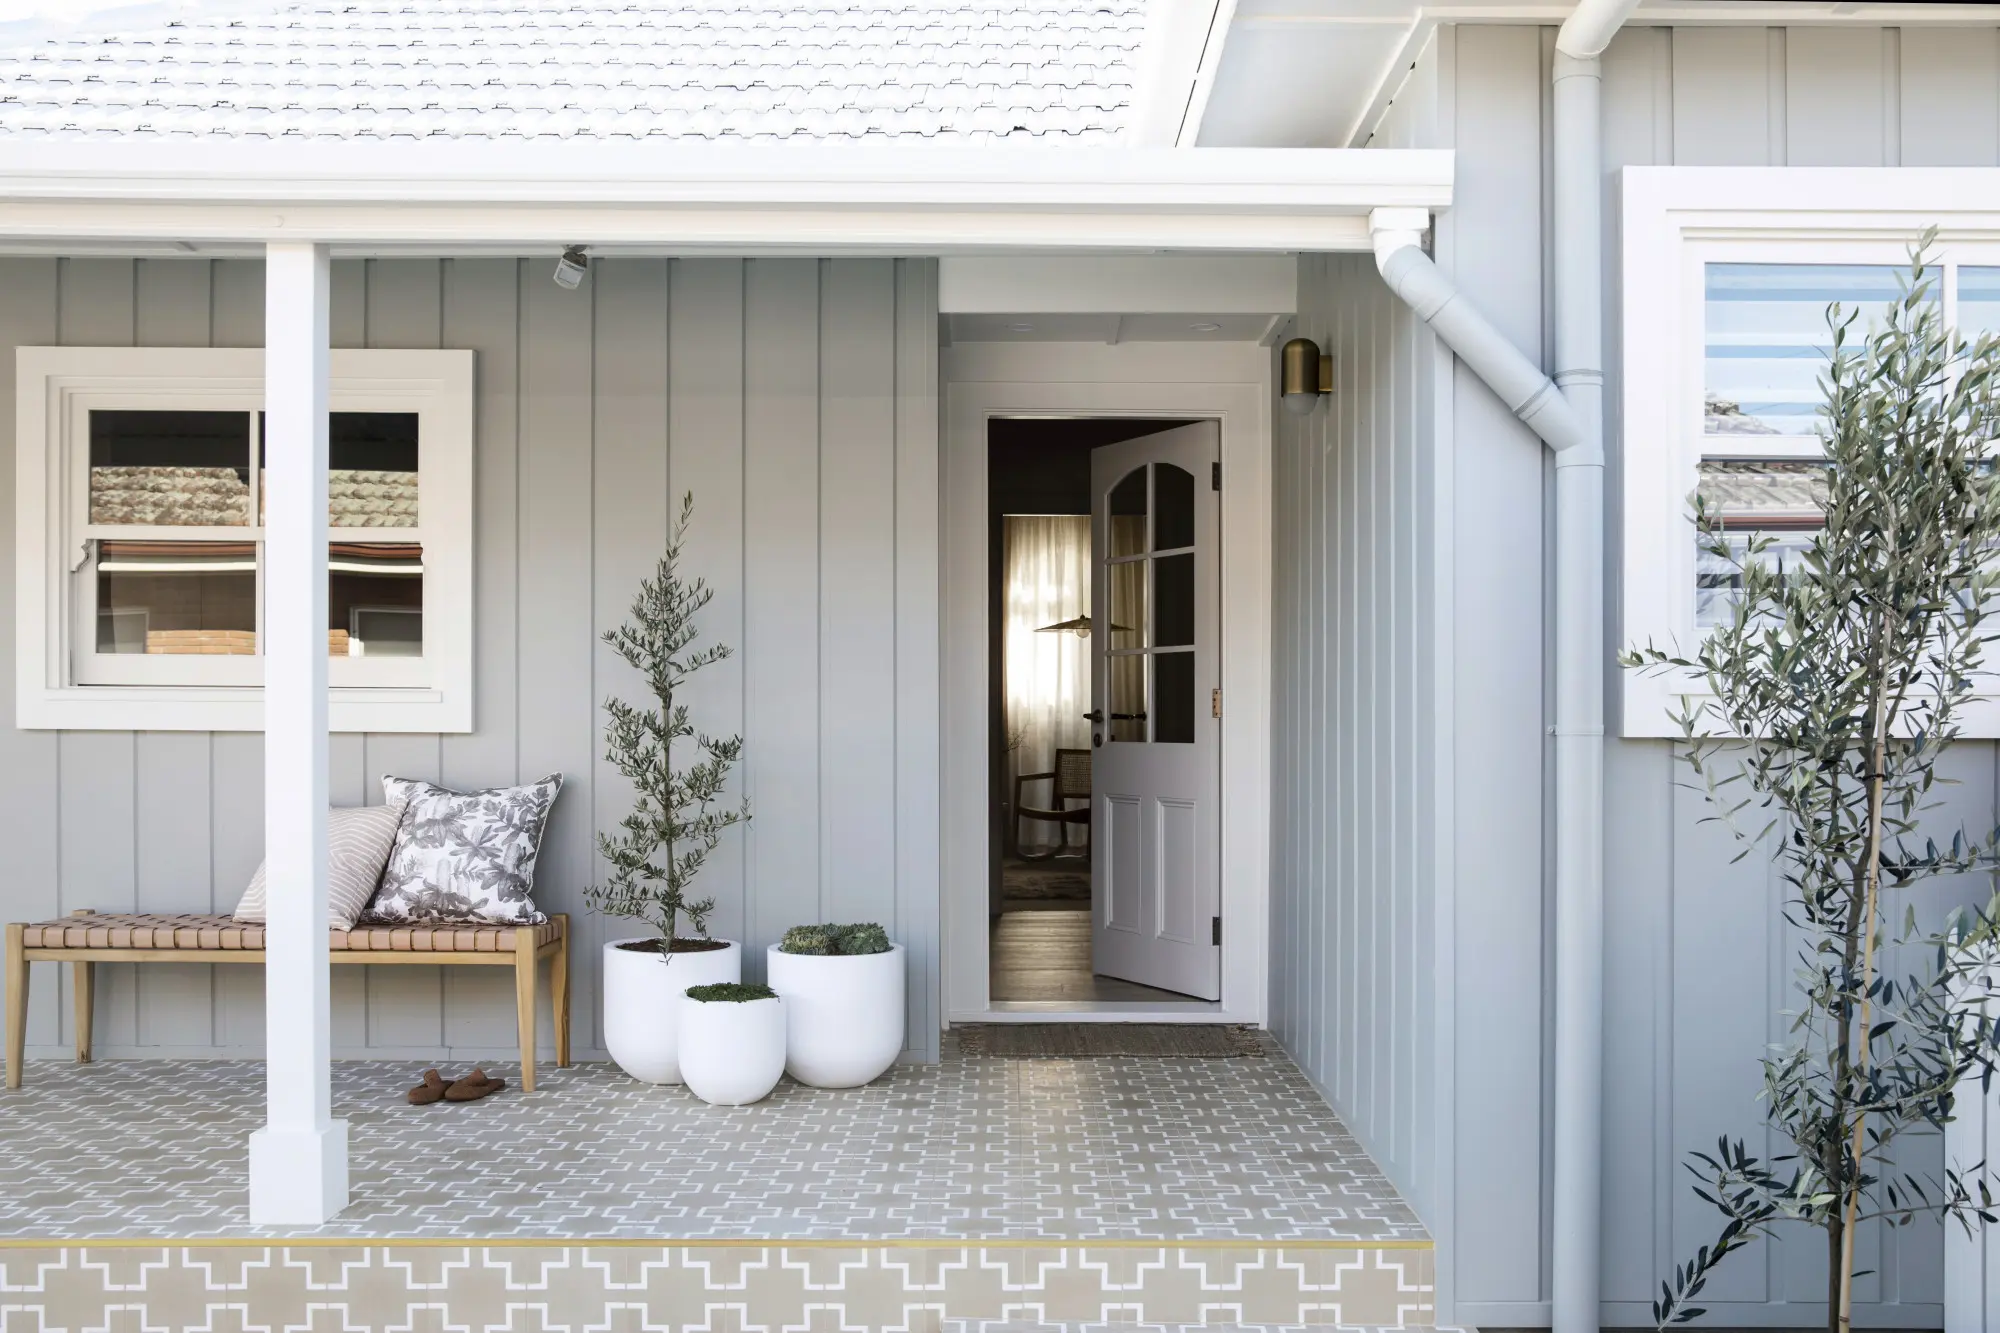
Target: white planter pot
732 1051
845 1014
642 992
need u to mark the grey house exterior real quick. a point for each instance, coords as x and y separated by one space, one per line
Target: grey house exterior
1409 890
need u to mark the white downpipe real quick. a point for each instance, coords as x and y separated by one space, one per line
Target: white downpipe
1568 414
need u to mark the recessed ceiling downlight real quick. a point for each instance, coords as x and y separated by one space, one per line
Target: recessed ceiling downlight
1206 327
1020 328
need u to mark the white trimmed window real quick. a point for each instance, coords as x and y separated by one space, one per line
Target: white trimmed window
139 513
1727 278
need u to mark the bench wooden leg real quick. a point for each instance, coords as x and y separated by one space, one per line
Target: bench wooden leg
84 979
559 993
17 1001
524 1001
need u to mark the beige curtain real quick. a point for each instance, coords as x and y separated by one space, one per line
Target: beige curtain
1047 676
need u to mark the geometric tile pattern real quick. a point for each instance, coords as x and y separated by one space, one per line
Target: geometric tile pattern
970 1150
923 1289
608 70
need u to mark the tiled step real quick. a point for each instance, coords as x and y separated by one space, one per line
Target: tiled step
912 1287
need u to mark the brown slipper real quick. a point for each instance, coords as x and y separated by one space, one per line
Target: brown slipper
473 1086
432 1089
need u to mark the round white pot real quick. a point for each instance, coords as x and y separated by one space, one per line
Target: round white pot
642 992
845 1014
732 1051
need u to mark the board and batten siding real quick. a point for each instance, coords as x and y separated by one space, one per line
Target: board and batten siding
1698 958
797 399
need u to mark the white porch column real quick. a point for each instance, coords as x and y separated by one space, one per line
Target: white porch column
298 1161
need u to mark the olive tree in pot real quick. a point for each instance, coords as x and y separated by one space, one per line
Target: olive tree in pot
1833 686
678 817
732 1042
843 989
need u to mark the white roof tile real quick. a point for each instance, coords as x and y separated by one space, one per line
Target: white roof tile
709 69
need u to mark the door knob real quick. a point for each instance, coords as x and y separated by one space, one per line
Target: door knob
1094 715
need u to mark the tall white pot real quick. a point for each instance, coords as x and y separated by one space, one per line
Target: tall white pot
732 1051
642 994
844 1014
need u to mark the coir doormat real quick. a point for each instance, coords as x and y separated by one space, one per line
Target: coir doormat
1089 1041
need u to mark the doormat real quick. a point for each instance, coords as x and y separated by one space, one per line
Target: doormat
1090 1041
1064 879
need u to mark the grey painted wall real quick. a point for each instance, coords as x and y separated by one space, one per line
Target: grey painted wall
796 398
1698 957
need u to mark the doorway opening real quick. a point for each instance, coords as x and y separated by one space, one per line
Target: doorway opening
1103 651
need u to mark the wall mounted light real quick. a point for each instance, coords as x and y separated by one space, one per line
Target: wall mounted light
1304 375
569 269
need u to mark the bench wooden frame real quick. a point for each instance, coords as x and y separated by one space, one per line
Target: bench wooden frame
525 958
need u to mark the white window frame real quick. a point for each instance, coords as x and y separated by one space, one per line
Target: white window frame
57 386
1673 221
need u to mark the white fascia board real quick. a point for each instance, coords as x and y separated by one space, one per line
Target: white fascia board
683 198
1127 284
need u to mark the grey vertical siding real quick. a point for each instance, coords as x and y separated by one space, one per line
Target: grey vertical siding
797 398
1698 957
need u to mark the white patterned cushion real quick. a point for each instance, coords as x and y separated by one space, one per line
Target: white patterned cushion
465 856
357 847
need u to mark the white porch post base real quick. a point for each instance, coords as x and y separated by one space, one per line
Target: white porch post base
298 1177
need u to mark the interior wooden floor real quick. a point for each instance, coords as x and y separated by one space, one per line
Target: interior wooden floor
1043 953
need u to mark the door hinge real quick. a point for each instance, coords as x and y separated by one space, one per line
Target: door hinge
1215 930
1215 702
1215 476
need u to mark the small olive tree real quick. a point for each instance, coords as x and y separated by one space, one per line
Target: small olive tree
678 815
1833 687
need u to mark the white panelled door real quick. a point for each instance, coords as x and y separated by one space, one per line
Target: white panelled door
1155 859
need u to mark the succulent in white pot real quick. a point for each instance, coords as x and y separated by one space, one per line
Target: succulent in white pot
844 993
678 816
732 1040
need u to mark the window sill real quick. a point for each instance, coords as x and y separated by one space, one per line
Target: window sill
197 708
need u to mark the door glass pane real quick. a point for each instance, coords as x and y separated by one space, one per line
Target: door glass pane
1128 514
177 597
375 599
1128 697
371 479
1128 604
1173 600
181 469
1767 339
1173 502
1173 698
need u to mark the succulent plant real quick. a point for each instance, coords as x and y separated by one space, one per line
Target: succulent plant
730 992
823 940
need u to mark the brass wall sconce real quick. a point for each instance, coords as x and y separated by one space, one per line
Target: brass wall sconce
1305 374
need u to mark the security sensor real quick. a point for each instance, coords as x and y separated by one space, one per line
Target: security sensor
569 269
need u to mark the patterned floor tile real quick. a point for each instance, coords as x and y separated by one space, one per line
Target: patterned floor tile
1129 1150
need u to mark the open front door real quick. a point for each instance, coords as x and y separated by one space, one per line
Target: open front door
1155 860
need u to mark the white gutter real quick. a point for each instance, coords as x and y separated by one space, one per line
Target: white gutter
1568 414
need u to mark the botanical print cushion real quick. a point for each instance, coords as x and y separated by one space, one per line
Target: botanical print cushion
465 856
357 847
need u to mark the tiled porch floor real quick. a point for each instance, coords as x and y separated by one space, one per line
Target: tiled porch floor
972 1149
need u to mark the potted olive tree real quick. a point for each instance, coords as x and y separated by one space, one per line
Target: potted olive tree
678 817
732 1042
843 989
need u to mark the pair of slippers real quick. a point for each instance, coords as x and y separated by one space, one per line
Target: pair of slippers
471 1088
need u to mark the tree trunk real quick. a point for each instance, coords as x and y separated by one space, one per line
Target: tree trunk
1836 1286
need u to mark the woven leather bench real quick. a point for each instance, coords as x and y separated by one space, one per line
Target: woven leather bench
85 939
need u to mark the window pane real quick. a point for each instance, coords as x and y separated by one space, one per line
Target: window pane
1978 301
1783 499
177 597
1128 604
1173 600
1173 698
1128 514
1718 582
1767 339
1173 501
1128 697
375 599
180 469
371 468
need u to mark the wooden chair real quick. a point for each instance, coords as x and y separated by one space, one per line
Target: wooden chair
1071 782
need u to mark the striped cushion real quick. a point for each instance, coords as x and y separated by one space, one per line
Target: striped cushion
357 847
155 930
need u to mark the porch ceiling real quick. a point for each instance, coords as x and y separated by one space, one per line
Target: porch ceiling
642 198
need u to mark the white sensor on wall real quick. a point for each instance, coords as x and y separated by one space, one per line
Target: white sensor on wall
570 268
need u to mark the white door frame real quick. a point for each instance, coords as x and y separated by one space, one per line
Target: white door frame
1232 384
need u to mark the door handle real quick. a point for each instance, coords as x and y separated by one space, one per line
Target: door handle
1094 715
